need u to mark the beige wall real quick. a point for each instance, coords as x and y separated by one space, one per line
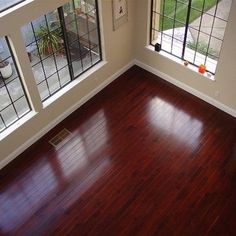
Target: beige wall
118 49
225 78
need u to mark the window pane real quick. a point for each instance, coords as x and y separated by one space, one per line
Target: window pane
11 89
82 32
47 52
194 27
181 17
223 9
5 4
215 47
219 27
168 23
210 6
62 44
207 24
198 5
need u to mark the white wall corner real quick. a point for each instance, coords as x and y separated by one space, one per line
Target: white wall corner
187 88
65 114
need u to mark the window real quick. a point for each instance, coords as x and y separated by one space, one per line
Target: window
62 45
191 30
6 4
13 101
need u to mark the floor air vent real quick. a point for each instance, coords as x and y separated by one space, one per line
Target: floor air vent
60 139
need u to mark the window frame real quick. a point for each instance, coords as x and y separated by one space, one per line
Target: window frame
187 26
34 103
64 35
22 87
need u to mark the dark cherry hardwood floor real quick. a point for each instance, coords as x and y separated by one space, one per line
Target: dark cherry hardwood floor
143 158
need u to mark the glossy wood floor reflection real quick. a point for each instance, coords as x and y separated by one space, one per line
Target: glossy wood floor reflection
143 158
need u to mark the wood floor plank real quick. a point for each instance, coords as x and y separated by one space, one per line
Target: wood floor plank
143 158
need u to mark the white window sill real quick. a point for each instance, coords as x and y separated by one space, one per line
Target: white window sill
17 124
49 101
181 62
73 83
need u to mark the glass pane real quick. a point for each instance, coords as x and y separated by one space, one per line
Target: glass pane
177 48
43 90
207 23
181 13
2 126
9 115
49 66
38 73
92 24
166 43
223 9
82 33
210 6
68 9
87 61
219 27
168 23
47 52
57 50
93 37
61 59
204 36
64 75
53 20
11 89
28 34
82 25
5 98
179 32
5 4
77 67
214 48
201 49
95 55
20 106
53 83
211 65
5 53
197 5
167 7
15 89
195 19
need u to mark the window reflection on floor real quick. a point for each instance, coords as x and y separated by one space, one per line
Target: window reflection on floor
78 152
175 122
38 185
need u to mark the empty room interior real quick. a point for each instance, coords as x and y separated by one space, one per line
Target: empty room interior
117 117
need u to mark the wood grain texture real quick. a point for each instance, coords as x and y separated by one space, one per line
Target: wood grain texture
143 158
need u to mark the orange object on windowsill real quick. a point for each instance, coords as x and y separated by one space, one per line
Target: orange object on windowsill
202 69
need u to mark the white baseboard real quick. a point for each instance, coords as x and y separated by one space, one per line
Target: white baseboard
160 74
60 118
187 88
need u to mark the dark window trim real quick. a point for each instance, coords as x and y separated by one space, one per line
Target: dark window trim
12 103
66 47
187 26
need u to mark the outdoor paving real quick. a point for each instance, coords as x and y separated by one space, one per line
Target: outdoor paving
192 35
205 24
